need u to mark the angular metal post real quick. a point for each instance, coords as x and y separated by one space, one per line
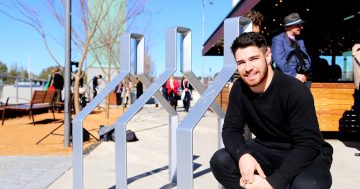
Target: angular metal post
186 69
153 89
78 165
233 27
173 115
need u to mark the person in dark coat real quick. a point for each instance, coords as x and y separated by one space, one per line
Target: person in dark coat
96 82
139 88
186 93
58 83
118 90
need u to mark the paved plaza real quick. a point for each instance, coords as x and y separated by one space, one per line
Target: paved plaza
148 159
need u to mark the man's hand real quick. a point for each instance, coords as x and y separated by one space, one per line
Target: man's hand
301 77
248 165
259 183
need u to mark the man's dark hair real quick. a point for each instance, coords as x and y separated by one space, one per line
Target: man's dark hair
249 39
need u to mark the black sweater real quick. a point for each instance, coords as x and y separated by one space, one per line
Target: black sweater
283 117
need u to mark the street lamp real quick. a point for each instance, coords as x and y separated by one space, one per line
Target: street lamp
203 37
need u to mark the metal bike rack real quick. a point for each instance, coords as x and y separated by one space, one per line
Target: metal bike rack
120 124
186 69
77 137
232 28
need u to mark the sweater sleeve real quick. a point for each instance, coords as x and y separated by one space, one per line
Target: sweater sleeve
233 127
304 133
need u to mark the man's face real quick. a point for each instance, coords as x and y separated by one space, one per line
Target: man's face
296 29
252 65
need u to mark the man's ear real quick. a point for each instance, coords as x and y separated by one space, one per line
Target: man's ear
268 55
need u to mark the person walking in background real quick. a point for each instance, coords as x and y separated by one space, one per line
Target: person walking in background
356 73
128 86
288 150
172 86
139 88
58 83
96 81
289 52
118 90
186 93
164 91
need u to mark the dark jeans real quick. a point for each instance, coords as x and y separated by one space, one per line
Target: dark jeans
118 99
58 95
186 101
316 176
95 93
173 98
138 94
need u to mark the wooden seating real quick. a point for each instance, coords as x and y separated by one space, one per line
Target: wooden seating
331 100
40 100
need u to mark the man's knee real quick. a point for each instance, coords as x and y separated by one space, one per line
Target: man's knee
220 160
323 182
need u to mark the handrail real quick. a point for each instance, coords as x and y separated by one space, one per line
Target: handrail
232 28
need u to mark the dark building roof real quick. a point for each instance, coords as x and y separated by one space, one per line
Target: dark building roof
331 26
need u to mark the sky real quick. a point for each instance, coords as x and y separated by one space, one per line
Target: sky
21 45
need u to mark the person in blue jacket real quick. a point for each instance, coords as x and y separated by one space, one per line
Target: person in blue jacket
288 50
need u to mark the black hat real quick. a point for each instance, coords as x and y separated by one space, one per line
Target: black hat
293 19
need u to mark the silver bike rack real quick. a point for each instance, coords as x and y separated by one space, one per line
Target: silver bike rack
120 124
232 28
78 164
186 69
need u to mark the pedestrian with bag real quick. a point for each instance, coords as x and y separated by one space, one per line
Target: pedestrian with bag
186 93
57 83
96 82
172 86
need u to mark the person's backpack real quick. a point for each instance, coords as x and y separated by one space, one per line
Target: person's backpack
110 135
130 136
350 121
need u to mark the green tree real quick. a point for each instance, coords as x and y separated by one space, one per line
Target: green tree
3 68
83 32
44 74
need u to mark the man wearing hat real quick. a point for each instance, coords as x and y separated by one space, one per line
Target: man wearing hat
289 52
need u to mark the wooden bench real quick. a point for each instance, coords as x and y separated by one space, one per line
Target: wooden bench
41 100
331 100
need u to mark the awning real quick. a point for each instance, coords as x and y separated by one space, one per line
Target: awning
331 26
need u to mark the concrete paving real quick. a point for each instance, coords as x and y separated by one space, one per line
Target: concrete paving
32 172
148 159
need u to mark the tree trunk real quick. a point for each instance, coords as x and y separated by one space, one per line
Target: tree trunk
76 91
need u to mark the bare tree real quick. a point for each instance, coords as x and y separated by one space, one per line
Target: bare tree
90 29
